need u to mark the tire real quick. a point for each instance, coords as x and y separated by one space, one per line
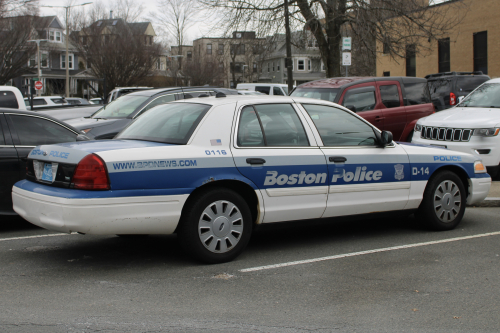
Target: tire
443 205
215 226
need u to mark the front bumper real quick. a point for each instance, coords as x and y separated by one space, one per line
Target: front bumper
492 144
101 216
478 190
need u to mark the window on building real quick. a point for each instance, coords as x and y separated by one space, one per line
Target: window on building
273 66
300 64
89 63
51 35
237 67
189 55
308 64
221 48
278 65
32 61
387 47
58 36
411 60
481 51
209 48
268 67
70 62
255 67
312 42
444 55
44 60
106 39
238 49
387 73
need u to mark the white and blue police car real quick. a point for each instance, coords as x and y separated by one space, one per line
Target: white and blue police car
210 169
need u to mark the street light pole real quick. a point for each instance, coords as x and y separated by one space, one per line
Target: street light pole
67 40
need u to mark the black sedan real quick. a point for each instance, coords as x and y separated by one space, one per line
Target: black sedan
112 118
20 132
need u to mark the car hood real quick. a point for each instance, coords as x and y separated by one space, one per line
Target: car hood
467 117
84 123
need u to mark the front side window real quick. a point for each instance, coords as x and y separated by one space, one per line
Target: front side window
340 128
277 91
170 123
486 96
390 96
360 99
121 107
263 89
271 125
34 131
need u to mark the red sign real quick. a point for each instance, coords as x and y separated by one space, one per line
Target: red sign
38 85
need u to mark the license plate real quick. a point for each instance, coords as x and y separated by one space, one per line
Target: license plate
45 171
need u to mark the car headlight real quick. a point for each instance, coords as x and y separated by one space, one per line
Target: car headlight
479 167
418 128
486 131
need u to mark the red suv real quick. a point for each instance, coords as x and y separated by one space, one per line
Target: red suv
390 103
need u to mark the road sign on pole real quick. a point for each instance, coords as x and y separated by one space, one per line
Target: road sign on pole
38 85
346 43
346 58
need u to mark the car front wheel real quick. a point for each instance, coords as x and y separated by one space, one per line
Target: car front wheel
216 226
443 204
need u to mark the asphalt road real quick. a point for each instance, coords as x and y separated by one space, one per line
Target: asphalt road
406 280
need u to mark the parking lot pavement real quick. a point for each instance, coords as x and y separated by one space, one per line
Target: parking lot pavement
365 276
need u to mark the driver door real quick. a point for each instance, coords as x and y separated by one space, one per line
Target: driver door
363 177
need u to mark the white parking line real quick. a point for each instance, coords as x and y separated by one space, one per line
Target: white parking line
28 237
386 249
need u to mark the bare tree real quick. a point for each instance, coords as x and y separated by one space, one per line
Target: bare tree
204 69
395 22
15 51
117 53
176 17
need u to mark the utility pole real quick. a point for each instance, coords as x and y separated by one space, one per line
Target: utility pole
288 59
38 60
67 40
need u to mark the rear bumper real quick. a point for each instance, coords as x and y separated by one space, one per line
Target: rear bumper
479 189
100 216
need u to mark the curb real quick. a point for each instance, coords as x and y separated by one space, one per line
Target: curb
488 202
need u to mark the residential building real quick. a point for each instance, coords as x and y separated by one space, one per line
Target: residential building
471 46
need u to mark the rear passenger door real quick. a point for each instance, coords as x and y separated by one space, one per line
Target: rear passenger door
362 99
392 107
274 147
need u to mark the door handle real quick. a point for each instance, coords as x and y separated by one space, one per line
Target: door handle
256 161
379 118
337 159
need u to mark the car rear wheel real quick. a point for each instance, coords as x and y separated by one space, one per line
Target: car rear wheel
215 226
443 204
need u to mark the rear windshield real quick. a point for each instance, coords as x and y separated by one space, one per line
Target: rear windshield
417 93
167 123
486 96
326 94
468 83
120 108
440 87
8 100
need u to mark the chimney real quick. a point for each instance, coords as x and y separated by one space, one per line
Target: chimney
110 14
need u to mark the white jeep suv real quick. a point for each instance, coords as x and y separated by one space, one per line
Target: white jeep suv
471 127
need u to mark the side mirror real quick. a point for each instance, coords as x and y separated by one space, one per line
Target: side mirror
81 137
385 138
351 107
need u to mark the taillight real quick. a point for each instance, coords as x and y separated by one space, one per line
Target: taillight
91 174
453 99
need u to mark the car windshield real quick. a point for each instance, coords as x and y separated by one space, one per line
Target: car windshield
326 94
486 96
120 108
167 123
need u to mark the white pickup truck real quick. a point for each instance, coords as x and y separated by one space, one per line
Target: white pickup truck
11 98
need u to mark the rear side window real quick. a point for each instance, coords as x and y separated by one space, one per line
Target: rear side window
340 128
39 101
326 94
272 125
263 89
8 100
360 99
417 93
466 84
390 96
58 100
34 131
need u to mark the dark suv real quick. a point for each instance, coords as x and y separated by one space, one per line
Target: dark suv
448 88
390 103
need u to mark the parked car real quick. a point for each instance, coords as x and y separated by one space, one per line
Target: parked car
20 132
249 92
390 103
12 98
272 89
210 169
43 101
115 116
97 100
473 126
77 101
120 91
447 89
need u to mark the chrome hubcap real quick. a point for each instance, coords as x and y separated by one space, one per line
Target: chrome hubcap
447 201
220 226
